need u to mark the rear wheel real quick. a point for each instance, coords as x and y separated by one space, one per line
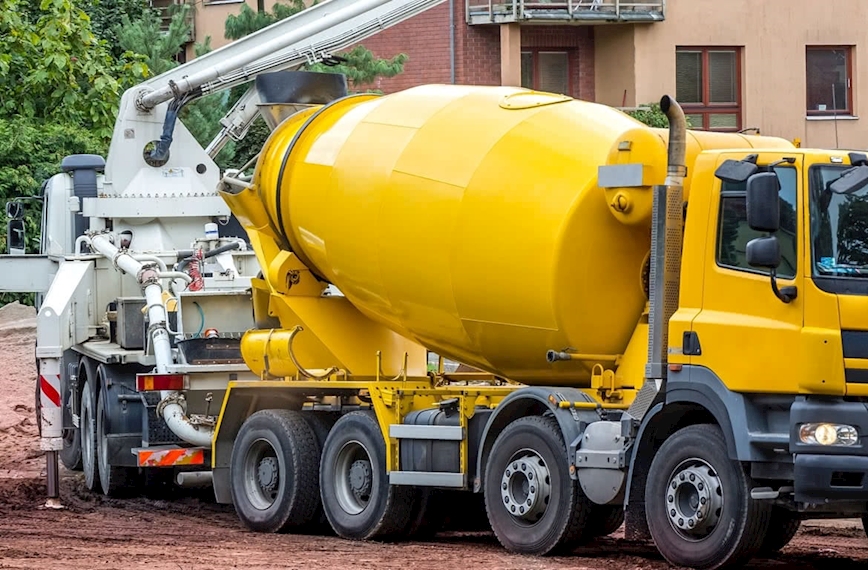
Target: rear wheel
113 479
321 424
87 423
70 455
356 495
698 505
605 519
533 505
272 472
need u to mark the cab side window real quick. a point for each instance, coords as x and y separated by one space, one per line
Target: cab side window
733 233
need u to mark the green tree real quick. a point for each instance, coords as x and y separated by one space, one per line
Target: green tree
143 35
248 20
53 67
107 15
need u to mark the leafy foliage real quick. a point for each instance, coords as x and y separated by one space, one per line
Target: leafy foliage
653 116
362 68
144 36
248 20
107 15
53 67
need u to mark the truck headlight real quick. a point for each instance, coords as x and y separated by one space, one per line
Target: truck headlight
828 434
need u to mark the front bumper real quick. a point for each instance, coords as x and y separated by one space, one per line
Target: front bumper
823 478
833 473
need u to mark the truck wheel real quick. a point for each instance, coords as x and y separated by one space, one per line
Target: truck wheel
87 423
321 424
70 455
274 486
533 505
113 479
604 520
698 505
783 526
356 495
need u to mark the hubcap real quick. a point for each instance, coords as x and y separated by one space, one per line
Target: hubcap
525 487
694 499
354 477
261 474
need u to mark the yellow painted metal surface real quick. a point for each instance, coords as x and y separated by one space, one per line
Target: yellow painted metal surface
469 219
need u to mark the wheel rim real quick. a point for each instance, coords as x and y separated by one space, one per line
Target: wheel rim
102 441
354 477
262 477
525 487
694 499
87 450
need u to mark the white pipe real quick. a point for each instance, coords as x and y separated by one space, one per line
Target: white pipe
190 82
170 405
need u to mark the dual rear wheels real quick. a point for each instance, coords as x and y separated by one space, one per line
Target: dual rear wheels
296 471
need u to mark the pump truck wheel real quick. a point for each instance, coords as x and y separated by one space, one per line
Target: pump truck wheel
356 495
274 488
533 505
87 429
698 505
783 526
113 479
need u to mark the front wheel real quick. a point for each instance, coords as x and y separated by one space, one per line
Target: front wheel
698 503
783 526
533 505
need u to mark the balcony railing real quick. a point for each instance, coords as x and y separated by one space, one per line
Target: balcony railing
577 11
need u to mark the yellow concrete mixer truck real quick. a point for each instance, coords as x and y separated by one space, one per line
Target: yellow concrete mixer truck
663 326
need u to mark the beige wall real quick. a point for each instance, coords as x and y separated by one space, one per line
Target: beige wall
773 36
614 66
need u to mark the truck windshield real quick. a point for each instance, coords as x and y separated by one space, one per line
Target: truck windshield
839 226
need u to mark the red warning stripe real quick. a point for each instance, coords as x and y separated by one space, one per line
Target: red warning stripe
50 392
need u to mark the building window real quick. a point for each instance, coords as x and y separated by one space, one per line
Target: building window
546 71
828 77
708 86
733 233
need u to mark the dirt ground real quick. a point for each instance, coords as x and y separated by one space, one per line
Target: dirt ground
192 532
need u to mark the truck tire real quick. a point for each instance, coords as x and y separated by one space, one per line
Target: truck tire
356 495
87 423
70 455
698 505
272 472
604 520
113 480
783 526
533 505
321 424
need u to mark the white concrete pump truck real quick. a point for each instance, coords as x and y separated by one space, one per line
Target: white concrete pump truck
142 279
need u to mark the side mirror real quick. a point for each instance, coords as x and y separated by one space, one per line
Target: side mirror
15 237
763 202
764 252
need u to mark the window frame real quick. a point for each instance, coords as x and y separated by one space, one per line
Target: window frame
535 51
848 111
723 195
706 108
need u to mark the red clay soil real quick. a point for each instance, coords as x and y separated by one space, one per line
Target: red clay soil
190 531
